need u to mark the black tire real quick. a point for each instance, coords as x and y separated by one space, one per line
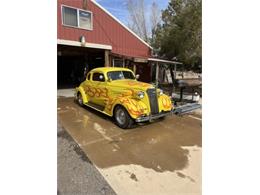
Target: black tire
79 99
122 118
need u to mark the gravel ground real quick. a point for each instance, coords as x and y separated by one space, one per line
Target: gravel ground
76 174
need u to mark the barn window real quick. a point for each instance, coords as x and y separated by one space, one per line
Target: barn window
70 16
85 20
78 18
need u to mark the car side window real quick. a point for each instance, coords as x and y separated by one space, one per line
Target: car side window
89 76
98 77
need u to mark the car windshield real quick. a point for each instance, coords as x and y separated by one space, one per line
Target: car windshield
119 75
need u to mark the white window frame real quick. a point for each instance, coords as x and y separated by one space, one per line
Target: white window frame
91 13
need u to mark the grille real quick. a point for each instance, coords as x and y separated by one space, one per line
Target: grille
153 101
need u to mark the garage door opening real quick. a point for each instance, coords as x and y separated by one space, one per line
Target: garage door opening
72 62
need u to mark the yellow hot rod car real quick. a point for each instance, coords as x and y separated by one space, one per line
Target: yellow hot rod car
117 93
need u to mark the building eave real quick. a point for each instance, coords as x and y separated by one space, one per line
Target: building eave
163 61
79 44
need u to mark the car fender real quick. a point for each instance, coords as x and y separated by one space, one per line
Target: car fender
165 103
134 107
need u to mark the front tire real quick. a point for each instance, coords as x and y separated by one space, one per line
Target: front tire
122 118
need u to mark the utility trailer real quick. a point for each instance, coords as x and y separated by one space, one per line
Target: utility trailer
186 108
181 105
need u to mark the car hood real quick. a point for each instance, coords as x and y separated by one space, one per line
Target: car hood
133 84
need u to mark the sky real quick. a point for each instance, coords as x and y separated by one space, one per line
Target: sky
119 10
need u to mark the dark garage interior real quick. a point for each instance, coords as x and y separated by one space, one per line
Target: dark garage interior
72 61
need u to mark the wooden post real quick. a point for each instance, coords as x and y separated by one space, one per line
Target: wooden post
110 60
157 74
106 58
134 68
175 71
123 62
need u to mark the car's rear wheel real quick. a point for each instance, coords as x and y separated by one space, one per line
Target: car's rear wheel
80 99
122 118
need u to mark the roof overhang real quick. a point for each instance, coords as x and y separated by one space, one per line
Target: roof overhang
138 59
79 44
163 61
141 60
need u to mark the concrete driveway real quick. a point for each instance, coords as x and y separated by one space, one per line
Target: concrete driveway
163 157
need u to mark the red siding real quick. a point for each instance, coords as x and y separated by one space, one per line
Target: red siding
106 31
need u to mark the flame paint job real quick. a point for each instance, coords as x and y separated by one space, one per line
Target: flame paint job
120 92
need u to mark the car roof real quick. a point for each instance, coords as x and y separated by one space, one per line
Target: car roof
107 69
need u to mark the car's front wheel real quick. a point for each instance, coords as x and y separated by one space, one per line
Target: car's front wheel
122 118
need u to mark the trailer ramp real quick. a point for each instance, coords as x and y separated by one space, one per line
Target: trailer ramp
187 108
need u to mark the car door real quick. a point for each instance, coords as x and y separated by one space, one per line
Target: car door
98 85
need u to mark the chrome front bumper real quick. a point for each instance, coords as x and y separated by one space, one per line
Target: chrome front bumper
180 110
152 117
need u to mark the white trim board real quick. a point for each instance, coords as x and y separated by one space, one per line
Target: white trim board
78 44
121 23
163 61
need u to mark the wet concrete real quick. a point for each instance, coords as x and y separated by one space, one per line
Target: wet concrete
160 146
75 172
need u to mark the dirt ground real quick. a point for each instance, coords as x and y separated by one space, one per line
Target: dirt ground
163 157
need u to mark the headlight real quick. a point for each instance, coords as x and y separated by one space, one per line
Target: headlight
140 94
161 92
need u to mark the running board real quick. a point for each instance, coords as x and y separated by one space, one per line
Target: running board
96 106
187 108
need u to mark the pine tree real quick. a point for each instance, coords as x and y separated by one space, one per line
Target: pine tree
179 36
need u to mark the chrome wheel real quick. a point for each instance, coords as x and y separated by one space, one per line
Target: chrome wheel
121 116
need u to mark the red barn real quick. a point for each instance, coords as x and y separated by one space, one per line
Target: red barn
90 37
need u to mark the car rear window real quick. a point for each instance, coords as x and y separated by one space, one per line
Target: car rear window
98 77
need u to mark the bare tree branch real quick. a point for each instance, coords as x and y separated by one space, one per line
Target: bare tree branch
155 17
137 20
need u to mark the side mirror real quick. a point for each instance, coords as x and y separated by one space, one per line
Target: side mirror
109 80
137 76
